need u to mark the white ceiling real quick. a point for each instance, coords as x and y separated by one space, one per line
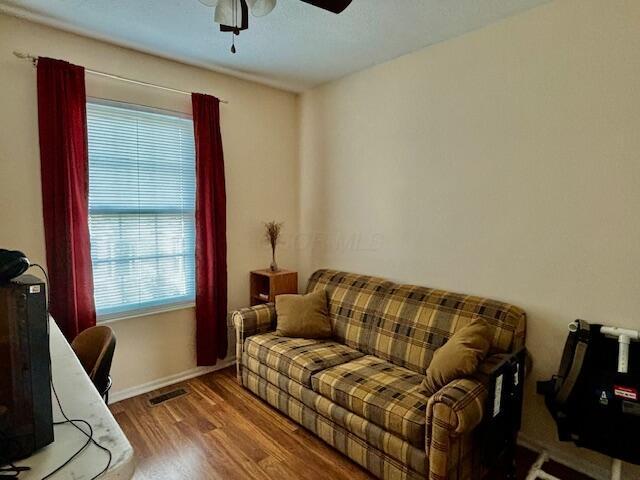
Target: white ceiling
295 47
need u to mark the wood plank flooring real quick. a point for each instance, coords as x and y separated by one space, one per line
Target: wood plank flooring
219 430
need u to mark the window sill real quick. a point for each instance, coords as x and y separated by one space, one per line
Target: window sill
117 317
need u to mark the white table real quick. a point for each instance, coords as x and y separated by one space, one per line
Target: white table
79 399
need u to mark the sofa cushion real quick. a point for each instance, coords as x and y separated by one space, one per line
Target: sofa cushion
384 394
303 316
459 357
353 302
298 358
415 321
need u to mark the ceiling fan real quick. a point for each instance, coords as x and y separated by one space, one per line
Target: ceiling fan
233 15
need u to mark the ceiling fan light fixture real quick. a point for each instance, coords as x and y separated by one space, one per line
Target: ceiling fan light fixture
260 8
233 15
223 14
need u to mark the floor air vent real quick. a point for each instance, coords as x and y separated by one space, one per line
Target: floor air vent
154 401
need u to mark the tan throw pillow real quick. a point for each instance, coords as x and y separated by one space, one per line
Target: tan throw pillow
303 316
459 357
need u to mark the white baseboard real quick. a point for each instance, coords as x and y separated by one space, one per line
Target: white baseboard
593 470
165 381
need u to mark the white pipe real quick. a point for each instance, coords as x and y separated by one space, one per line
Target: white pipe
623 353
536 471
616 332
624 336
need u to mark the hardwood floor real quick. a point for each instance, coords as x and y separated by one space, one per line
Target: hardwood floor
221 431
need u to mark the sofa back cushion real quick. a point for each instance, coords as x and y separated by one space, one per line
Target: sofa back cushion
354 304
415 321
406 324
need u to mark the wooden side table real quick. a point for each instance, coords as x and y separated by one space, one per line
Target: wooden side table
265 285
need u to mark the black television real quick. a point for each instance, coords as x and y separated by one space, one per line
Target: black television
26 420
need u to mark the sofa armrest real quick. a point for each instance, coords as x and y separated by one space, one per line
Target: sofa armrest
460 406
454 410
252 321
466 398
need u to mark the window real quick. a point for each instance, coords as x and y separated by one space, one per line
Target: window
141 208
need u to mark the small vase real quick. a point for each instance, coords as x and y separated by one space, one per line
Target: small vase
274 265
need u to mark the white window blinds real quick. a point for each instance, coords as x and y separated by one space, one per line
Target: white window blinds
141 208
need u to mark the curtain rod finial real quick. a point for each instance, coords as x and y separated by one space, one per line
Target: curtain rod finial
26 56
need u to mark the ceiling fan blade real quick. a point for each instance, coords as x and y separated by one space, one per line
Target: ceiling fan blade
335 6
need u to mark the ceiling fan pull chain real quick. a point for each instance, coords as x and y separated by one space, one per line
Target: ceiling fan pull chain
235 24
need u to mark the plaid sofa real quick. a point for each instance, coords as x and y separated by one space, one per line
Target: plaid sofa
360 392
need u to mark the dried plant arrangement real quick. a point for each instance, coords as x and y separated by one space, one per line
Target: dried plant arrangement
272 235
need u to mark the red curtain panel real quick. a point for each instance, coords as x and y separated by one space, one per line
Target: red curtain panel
211 232
64 170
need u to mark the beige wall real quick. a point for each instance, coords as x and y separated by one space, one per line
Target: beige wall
504 163
259 129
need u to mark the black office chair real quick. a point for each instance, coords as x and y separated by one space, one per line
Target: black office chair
94 348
